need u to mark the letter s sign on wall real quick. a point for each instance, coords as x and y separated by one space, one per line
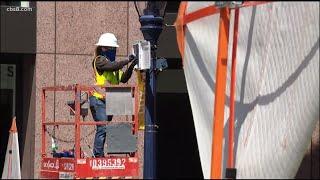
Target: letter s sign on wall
7 76
10 71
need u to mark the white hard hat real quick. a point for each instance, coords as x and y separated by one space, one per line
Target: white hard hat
108 39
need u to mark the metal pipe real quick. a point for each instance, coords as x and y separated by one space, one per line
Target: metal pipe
77 122
43 119
151 27
232 91
221 76
150 120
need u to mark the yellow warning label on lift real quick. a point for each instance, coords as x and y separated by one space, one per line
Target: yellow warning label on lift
141 86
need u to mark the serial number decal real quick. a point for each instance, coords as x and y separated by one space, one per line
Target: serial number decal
68 166
65 175
116 163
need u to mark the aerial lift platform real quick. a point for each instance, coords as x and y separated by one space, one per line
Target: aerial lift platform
119 162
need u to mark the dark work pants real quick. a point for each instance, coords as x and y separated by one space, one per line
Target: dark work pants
98 110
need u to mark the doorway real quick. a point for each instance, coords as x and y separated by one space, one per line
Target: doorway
8 104
177 148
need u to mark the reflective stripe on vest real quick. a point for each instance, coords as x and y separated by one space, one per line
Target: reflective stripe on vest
113 77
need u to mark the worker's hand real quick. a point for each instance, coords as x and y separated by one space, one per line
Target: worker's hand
132 57
135 61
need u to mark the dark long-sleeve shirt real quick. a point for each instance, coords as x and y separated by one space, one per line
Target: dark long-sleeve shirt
102 64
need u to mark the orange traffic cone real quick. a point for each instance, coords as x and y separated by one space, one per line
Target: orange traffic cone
11 169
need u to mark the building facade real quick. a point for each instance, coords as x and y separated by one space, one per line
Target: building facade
51 44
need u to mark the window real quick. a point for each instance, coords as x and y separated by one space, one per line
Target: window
167 43
172 6
8 82
10 3
18 3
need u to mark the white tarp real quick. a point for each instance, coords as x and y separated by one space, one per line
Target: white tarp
277 86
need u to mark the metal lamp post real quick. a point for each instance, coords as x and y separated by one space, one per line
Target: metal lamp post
151 14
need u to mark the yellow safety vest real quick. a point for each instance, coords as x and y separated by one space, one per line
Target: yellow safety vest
113 77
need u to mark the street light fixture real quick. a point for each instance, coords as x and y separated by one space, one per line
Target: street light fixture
151 15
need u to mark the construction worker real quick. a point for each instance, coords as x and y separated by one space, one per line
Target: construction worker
106 69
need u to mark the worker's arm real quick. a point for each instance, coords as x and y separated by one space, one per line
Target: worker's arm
102 64
127 74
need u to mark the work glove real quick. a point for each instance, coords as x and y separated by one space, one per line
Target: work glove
132 57
135 61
